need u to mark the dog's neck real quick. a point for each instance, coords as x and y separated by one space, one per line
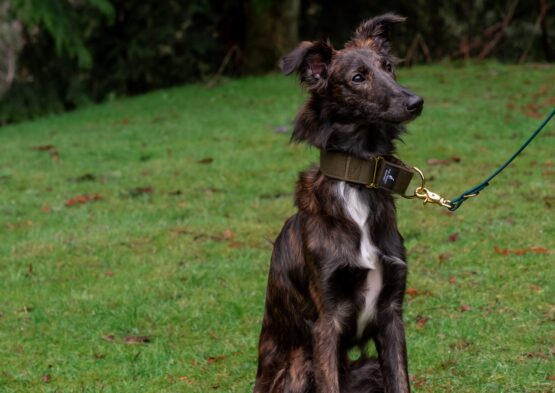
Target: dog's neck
362 140
319 126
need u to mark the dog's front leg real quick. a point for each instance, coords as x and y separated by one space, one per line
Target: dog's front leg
392 351
325 336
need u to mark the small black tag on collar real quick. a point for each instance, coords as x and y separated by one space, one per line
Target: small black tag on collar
389 176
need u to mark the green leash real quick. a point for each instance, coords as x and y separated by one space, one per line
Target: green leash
428 196
458 201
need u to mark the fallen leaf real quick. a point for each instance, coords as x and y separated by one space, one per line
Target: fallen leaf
184 378
180 231
136 339
445 256
228 234
43 147
445 161
541 91
521 251
214 359
461 344
234 244
538 355
535 288
19 225
416 381
465 308
54 154
206 160
453 237
539 250
138 191
109 337
212 190
452 280
551 378
421 321
532 110
85 177
412 292
82 199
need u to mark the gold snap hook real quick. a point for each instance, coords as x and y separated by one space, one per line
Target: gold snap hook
426 195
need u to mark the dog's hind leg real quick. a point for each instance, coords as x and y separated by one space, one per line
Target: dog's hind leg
363 376
286 373
300 374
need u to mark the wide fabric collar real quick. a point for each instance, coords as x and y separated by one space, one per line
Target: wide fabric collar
376 172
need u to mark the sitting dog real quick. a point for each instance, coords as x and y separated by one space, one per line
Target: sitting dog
338 270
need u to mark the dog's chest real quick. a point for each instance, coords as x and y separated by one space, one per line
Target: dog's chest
356 204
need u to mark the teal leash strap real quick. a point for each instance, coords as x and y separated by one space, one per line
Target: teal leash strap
458 201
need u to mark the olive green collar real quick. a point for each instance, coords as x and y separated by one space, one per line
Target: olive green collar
376 172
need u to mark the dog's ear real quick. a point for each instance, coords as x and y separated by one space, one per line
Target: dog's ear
311 60
374 32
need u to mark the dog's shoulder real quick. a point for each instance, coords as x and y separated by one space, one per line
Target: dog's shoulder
309 185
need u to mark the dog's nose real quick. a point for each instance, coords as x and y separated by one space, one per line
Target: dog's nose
414 103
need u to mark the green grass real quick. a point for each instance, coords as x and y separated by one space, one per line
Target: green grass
186 264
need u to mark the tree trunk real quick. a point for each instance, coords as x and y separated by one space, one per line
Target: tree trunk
272 31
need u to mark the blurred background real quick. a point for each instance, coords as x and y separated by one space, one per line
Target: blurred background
56 55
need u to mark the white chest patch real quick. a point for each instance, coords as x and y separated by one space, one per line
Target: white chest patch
356 204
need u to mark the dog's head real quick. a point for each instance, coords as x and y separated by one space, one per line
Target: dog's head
357 82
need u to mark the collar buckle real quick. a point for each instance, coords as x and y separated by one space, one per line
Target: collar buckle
373 183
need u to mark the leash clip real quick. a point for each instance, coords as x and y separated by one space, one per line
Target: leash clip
431 197
426 195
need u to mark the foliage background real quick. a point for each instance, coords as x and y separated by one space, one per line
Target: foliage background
59 54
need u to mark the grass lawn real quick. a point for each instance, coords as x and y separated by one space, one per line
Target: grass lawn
156 281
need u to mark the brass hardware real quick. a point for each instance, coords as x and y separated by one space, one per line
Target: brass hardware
373 184
428 196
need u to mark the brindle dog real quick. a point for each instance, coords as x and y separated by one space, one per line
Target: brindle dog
338 271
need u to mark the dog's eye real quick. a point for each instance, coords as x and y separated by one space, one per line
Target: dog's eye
358 78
